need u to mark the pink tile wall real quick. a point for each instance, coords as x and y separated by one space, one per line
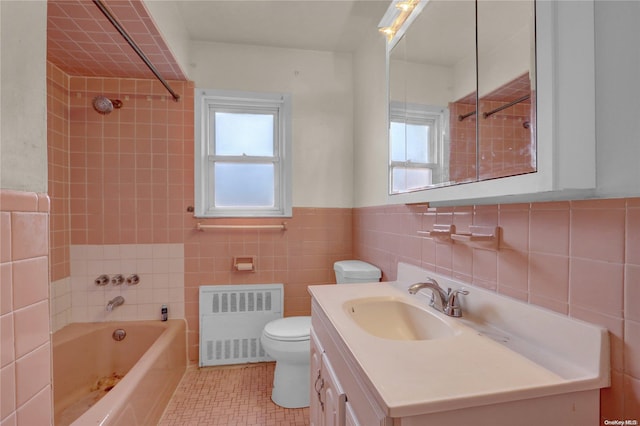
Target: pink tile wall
25 350
302 255
579 258
462 156
58 169
505 145
131 172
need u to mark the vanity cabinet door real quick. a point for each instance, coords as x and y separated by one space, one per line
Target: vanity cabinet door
315 411
327 401
350 418
334 396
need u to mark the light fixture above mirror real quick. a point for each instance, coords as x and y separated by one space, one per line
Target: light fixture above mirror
395 17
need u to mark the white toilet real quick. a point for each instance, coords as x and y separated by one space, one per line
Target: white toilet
287 341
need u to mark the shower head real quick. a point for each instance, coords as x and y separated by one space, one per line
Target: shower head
104 105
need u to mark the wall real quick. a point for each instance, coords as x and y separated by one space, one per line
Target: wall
25 354
58 169
23 154
617 92
579 258
370 162
25 350
321 84
505 146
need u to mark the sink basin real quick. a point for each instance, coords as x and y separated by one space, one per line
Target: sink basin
391 318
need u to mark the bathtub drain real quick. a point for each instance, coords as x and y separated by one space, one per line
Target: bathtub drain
119 334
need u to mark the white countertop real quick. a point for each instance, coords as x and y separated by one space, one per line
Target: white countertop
468 369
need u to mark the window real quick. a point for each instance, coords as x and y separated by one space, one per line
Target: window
417 152
243 154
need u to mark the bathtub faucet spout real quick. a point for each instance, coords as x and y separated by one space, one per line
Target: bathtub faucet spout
116 301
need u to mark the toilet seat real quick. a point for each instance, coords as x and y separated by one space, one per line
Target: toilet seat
289 329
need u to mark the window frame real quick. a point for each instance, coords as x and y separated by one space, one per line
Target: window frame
207 102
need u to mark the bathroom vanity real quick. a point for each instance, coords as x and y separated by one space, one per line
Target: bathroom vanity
380 356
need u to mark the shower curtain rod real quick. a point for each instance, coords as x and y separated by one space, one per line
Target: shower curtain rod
500 108
105 11
505 106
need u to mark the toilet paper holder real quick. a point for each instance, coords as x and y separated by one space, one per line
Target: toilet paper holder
244 263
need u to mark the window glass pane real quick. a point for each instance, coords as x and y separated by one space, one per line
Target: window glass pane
244 134
407 179
244 185
410 142
418 143
397 141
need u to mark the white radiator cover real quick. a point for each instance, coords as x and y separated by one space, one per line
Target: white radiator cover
231 321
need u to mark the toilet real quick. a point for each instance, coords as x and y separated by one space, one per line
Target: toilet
287 341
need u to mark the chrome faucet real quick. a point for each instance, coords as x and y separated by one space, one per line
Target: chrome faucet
444 302
116 301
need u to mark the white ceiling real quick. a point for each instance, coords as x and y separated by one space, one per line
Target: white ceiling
329 25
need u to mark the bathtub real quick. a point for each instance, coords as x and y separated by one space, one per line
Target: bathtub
134 378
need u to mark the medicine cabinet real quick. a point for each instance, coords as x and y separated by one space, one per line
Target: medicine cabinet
490 99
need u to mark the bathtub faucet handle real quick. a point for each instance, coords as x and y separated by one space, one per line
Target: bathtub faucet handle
117 279
102 280
133 279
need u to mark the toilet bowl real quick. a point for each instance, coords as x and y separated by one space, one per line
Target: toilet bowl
287 340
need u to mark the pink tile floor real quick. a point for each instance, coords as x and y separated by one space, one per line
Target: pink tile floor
227 396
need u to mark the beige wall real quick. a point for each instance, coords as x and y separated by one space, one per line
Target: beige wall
370 124
321 84
23 121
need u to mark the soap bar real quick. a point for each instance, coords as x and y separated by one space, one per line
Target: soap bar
244 266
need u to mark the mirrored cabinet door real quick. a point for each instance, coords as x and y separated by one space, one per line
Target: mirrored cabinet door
506 88
432 81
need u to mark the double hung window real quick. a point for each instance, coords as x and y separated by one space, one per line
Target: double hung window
417 151
243 154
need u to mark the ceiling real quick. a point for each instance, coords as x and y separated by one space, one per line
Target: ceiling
329 25
82 42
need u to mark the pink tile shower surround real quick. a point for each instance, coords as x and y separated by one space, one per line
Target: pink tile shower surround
25 349
578 258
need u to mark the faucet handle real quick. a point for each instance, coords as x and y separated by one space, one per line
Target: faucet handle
453 305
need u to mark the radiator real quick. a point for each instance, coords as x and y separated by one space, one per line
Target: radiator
231 321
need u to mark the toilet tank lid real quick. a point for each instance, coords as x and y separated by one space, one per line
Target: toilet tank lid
357 269
289 328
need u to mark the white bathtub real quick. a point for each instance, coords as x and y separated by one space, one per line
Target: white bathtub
151 360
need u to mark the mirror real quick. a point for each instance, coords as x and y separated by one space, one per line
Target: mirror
506 88
439 78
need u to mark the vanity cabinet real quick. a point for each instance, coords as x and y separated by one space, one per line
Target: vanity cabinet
340 394
497 373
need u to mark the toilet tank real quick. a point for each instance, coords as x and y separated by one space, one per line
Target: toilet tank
356 271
